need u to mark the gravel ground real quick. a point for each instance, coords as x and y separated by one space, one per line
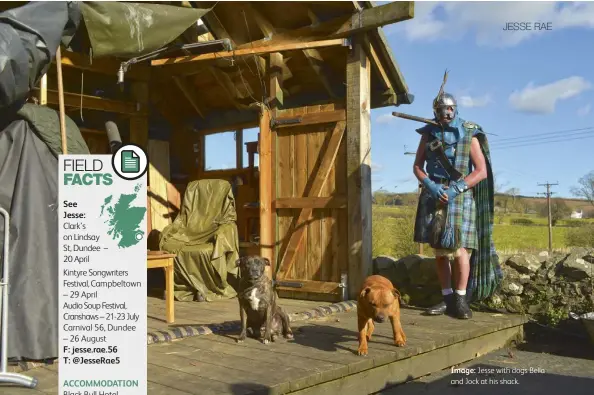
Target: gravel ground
548 362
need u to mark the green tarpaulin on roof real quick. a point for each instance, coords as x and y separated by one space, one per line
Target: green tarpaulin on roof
128 30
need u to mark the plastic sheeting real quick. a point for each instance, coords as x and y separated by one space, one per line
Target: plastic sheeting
131 29
29 38
45 122
29 192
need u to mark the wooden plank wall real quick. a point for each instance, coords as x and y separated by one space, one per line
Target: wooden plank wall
159 176
298 149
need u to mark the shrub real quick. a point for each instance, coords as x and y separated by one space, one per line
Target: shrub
575 223
522 221
581 237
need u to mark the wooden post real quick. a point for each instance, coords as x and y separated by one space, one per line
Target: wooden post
275 103
265 165
239 148
550 219
61 102
358 168
201 157
43 90
139 124
548 194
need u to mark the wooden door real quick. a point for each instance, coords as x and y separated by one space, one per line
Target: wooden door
309 202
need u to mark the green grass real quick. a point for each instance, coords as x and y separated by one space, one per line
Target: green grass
527 238
393 232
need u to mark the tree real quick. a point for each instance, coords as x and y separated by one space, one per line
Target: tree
380 197
513 192
559 210
585 190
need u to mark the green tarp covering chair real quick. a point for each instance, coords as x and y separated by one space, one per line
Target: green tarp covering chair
205 239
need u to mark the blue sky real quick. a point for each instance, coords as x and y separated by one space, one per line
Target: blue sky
523 86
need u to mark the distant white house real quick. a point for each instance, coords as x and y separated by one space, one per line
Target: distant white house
577 214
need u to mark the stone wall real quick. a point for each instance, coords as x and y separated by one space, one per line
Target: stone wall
543 285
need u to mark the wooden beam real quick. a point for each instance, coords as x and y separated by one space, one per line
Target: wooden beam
262 50
190 96
316 62
321 176
228 87
372 54
239 148
231 127
109 66
215 27
384 49
93 103
265 165
358 168
276 98
335 202
343 26
387 14
319 287
263 23
310 119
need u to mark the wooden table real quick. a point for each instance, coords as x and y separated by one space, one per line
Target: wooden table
156 259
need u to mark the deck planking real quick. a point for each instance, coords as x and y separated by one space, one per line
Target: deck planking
321 358
204 313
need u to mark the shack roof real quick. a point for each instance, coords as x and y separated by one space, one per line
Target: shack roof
214 90
313 38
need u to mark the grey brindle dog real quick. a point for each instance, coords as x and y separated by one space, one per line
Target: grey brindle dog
258 302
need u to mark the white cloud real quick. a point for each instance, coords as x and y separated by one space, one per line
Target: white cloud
476 101
376 167
385 119
542 99
584 110
486 20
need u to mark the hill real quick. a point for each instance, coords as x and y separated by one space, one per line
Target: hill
520 204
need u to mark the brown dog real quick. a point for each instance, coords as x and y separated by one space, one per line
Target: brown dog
378 300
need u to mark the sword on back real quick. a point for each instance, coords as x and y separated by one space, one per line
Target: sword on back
415 118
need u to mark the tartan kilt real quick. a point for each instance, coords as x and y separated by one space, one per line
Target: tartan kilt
426 211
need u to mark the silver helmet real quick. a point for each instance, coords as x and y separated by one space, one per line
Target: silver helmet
444 107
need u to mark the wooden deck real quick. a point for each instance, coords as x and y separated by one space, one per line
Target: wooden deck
320 360
194 313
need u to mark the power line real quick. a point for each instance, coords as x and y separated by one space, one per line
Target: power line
525 144
543 134
544 138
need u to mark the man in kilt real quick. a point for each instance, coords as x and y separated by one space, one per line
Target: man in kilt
455 210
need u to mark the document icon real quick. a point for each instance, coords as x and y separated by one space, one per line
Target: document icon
130 162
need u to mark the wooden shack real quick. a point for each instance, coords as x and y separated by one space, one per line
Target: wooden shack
306 75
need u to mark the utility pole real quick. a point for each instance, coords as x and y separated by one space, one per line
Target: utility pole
548 195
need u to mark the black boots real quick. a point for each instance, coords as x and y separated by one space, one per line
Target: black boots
460 309
441 307
454 305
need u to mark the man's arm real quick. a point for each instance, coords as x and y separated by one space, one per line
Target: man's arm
420 160
478 161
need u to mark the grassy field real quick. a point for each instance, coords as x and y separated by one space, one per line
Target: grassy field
393 232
